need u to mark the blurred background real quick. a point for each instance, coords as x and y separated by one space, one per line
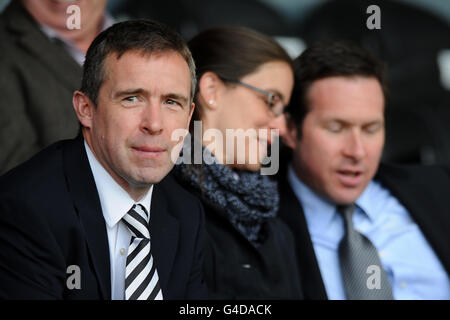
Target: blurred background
414 42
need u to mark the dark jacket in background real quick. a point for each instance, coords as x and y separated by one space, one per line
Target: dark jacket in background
37 80
425 193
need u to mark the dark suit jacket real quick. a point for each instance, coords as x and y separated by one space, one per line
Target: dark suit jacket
51 218
37 80
425 193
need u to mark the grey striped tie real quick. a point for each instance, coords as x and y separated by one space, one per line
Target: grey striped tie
141 276
363 275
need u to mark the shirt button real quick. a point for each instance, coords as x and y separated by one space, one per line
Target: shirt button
382 254
122 251
403 284
246 266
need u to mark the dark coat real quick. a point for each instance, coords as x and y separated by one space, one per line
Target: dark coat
37 81
235 269
425 193
51 218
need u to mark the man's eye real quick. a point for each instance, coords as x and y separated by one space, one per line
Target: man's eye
130 101
373 128
173 103
334 127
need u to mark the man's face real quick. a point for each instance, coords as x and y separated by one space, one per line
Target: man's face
142 100
342 137
53 13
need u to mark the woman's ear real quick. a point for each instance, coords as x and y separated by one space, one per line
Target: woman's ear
84 108
291 137
209 85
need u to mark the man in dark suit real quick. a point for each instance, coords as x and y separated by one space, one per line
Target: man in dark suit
363 230
41 68
97 217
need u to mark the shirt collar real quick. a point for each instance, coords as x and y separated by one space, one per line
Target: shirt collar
319 212
79 56
115 201
370 200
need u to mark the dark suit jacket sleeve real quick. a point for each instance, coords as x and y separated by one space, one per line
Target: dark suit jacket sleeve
31 263
18 137
197 289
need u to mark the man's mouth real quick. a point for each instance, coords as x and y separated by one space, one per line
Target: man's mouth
150 152
350 178
149 149
350 173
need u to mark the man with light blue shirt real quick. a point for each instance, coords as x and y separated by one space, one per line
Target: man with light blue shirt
363 230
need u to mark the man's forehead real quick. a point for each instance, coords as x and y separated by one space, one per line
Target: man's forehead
349 115
116 60
134 61
346 93
135 78
338 83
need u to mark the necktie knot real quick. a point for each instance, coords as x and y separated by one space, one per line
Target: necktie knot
347 213
136 220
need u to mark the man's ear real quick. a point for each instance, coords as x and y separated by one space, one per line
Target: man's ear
84 108
208 86
291 137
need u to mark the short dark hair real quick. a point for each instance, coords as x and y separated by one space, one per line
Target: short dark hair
142 35
329 59
233 52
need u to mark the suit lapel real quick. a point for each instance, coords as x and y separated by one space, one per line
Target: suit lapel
164 232
426 198
292 213
84 193
53 57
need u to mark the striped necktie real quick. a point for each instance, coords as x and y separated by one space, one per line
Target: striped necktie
363 275
141 276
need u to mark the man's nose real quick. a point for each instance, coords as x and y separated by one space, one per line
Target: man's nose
354 145
152 118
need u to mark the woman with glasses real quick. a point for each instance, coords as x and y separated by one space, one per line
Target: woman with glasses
244 81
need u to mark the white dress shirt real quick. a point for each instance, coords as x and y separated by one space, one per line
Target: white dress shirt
71 48
115 202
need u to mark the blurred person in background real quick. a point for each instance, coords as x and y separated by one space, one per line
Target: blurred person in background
414 43
245 80
41 68
364 230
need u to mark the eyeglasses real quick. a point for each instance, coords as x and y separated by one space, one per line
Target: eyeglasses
274 101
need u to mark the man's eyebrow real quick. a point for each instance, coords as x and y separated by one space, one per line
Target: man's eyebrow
347 123
129 92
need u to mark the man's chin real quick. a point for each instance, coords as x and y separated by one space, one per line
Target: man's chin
346 196
148 176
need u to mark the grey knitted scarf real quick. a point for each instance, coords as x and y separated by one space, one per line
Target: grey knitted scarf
247 198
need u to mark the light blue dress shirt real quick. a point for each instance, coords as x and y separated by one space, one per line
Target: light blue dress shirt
412 267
